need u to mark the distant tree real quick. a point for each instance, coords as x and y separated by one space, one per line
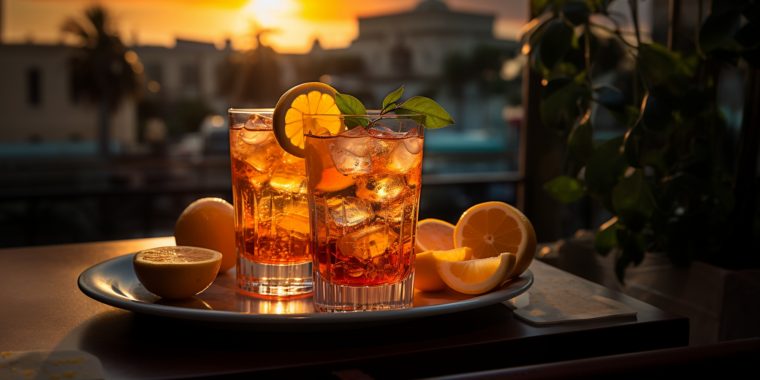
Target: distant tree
104 72
253 77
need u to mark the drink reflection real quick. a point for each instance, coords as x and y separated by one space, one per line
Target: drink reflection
262 306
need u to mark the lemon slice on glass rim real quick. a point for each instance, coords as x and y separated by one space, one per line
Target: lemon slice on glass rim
293 115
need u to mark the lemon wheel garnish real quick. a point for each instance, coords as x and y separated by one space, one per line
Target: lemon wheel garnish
476 276
492 228
294 115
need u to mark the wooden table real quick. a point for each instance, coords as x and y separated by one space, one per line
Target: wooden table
41 308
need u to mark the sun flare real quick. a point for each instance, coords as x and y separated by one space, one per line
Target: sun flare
271 13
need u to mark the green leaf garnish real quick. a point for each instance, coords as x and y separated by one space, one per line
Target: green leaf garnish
435 116
351 106
391 99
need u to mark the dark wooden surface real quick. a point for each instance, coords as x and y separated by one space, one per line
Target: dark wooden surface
42 309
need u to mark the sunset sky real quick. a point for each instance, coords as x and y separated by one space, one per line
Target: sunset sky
297 22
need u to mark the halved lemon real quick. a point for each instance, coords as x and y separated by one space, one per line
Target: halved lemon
209 223
426 276
492 228
292 115
434 235
177 272
476 276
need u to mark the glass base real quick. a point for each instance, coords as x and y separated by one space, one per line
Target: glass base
343 298
274 281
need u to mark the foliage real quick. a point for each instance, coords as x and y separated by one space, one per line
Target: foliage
103 71
666 180
433 116
251 77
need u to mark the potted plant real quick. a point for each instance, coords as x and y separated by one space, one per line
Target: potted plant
676 179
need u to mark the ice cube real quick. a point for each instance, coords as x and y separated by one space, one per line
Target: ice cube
257 148
349 211
258 122
288 183
384 132
380 189
405 156
295 223
367 243
350 152
397 212
289 178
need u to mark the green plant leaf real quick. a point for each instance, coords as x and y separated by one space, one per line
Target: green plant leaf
604 168
351 106
393 97
580 141
576 11
435 115
555 42
718 31
564 189
660 66
610 97
656 112
632 199
746 36
606 237
562 101
538 6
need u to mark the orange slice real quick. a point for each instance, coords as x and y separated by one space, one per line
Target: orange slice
492 228
476 276
434 235
322 173
426 276
292 115
177 272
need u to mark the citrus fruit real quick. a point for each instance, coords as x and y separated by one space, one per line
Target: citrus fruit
492 228
293 115
476 276
209 223
426 276
177 272
322 173
434 235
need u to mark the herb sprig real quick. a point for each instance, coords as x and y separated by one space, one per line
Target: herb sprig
434 115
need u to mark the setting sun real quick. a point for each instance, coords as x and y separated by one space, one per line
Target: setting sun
271 13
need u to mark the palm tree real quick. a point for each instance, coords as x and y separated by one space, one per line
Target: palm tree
104 72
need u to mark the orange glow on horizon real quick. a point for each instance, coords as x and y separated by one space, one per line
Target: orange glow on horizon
293 24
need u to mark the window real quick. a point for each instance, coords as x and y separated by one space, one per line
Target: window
34 86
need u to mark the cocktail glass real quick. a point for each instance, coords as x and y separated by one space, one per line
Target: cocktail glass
363 193
271 212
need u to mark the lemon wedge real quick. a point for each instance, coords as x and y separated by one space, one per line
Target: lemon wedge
476 276
426 276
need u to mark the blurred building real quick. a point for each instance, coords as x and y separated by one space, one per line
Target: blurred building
187 70
44 116
40 105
